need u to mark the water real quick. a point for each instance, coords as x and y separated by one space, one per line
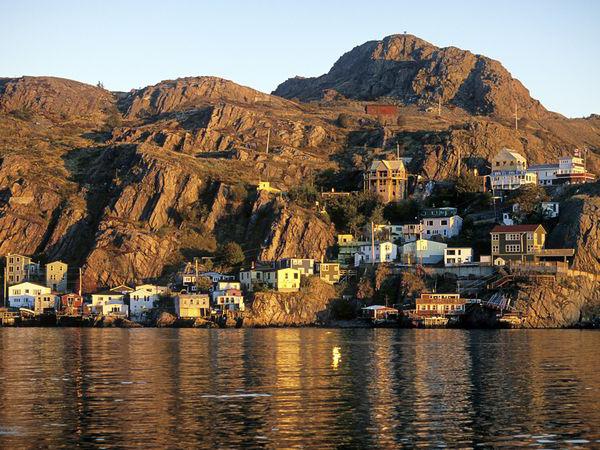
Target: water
282 388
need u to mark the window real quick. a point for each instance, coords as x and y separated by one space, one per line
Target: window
444 222
514 248
495 237
495 248
513 237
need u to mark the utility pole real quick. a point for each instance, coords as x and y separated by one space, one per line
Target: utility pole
372 243
516 117
458 164
196 270
5 291
80 282
398 151
440 106
268 139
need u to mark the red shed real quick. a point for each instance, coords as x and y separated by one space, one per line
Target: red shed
381 110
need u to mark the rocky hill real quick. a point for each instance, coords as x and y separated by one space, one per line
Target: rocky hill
411 70
128 185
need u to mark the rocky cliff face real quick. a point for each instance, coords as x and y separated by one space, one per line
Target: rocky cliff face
412 70
563 303
307 307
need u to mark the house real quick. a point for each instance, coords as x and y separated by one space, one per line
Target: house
56 276
103 298
572 170
441 226
411 231
434 304
249 278
545 173
517 242
230 299
306 266
386 232
387 179
23 295
72 305
20 268
344 239
379 312
550 210
143 298
189 306
266 186
509 171
115 308
223 286
329 272
384 252
457 256
423 251
283 280
347 250
44 303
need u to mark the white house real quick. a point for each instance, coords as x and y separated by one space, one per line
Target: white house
423 251
456 256
23 295
115 308
104 298
224 286
384 252
545 173
230 299
143 298
445 227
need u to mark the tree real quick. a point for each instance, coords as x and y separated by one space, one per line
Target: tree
529 198
304 195
100 84
204 284
381 273
468 183
232 254
365 289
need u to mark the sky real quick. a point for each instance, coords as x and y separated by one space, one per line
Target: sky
552 46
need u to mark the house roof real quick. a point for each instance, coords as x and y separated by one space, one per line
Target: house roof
543 167
515 228
109 293
379 307
393 164
507 152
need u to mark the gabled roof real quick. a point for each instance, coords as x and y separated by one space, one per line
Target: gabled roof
390 164
509 153
543 167
516 228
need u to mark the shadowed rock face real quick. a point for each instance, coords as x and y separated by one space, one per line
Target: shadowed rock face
411 70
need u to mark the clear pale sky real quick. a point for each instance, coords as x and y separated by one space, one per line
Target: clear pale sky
552 46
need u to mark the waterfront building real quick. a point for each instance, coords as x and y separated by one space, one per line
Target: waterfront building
379 312
100 299
572 170
72 305
144 298
387 179
224 285
115 308
229 299
56 276
412 231
457 256
189 306
545 173
423 251
384 252
550 210
347 250
45 303
434 304
20 268
329 272
23 295
509 171
516 242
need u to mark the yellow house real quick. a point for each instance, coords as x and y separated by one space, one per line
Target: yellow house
56 276
283 280
266 186
192 305
344 238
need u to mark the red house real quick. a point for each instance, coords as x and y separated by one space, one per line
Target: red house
73 305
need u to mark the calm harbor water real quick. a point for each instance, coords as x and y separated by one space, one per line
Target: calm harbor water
281 388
